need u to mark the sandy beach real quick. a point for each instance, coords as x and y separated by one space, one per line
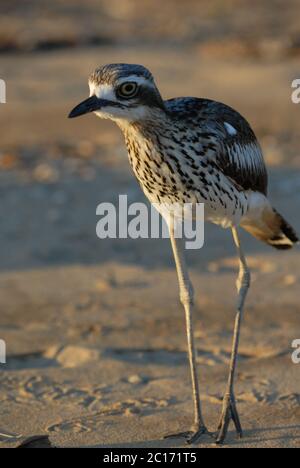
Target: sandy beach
95 333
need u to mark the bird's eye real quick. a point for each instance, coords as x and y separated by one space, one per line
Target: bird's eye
128 89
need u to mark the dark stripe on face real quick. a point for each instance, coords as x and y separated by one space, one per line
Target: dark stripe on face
147 96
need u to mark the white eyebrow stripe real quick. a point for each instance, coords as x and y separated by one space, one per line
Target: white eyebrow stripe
103 91
107 91
230 129
137 79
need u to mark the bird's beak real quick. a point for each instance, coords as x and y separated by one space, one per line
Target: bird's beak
91 104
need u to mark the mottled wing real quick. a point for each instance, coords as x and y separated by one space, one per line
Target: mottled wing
240 156
228 138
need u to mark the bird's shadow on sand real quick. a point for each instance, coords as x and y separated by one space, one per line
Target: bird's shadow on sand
254 437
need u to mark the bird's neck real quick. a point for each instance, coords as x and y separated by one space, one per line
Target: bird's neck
143 120
143 133
141 140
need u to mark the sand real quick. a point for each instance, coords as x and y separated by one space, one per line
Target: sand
96 350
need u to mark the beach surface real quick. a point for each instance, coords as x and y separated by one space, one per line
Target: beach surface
95 333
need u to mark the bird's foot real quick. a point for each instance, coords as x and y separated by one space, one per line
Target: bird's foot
195 436
229 412
179 435
192 436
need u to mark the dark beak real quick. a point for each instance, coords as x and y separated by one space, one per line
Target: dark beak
89 105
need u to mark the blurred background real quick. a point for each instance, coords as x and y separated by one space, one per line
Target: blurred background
243 53
65 294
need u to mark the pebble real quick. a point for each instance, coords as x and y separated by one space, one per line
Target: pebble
289 280
135 379
73 356
86 149
45 173
8 161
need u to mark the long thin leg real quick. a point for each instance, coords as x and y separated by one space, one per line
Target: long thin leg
229 410
187 300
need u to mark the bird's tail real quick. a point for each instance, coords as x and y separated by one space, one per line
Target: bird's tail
267 225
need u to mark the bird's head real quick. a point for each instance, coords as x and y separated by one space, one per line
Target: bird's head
121 92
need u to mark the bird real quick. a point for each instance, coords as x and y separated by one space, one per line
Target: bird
193 150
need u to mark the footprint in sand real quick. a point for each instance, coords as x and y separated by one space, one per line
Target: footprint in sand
30 390
126 408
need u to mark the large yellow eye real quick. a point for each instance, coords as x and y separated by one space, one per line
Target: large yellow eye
128 89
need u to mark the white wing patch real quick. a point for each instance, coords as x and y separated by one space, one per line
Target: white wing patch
230 129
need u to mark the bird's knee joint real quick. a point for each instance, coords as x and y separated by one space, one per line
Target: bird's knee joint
187 295
244 280
186 299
